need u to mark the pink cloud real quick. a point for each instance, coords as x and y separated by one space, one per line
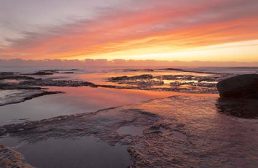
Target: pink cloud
151 23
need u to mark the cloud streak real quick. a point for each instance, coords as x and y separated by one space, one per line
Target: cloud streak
147 26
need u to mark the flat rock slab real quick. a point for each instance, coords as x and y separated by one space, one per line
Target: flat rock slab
17 96
179 131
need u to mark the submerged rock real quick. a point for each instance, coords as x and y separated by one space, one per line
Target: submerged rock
242 86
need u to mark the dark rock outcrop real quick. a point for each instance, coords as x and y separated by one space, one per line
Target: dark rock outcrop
241 86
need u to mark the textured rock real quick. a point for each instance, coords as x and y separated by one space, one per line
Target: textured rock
11 159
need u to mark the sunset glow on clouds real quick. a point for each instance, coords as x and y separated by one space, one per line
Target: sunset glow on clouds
216 30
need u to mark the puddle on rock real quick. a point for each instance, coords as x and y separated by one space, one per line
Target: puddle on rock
74 101
79 152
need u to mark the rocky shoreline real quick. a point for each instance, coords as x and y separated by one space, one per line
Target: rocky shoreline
177 83
168 126
33 84
21 87
178 131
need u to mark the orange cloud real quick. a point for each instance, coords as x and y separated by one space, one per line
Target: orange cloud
154 28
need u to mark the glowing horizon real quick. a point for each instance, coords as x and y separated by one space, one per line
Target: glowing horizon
218 30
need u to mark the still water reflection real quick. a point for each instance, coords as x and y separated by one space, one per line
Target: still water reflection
78 152
73 101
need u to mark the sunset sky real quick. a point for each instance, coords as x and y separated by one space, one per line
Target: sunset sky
184 30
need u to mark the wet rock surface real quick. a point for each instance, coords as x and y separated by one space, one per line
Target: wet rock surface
244 108
178 83
18 96
53 71
29 82
44 72
22 87
11 159
177 133
188 70
53 82
241 86
144 76
13 75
